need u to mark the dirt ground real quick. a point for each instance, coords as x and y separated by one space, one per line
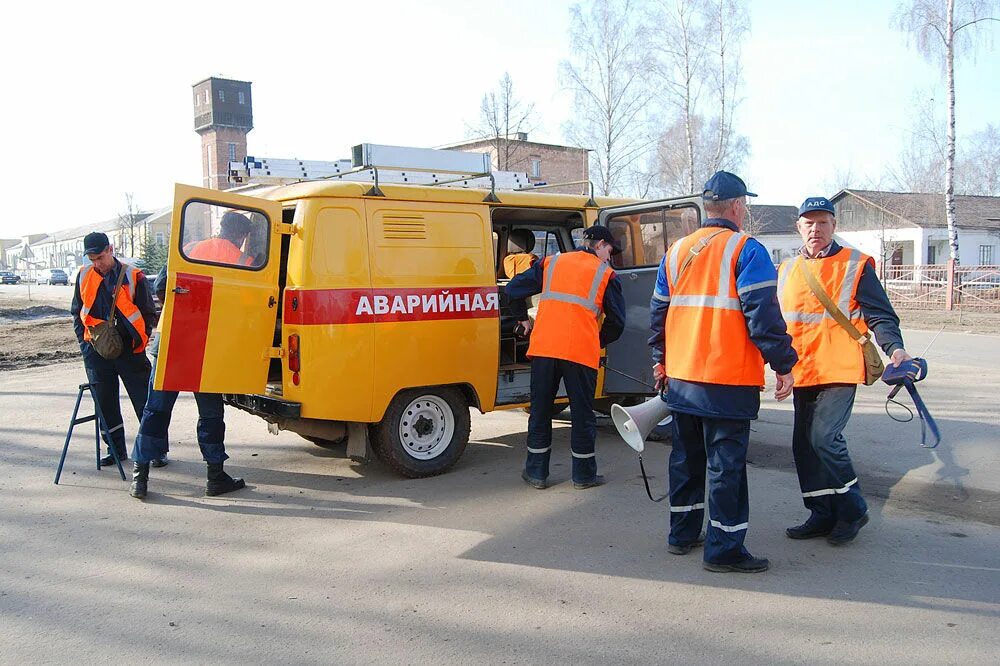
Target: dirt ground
36 330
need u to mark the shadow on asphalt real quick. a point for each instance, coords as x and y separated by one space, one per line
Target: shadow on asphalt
609 531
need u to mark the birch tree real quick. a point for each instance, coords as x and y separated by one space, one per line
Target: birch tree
942 30
697 44
607 74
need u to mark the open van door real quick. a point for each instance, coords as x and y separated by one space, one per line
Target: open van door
644 231
217 326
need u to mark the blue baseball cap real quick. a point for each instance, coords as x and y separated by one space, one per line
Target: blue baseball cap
816 203
724 185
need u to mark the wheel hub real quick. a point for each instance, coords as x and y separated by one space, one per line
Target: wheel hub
426 427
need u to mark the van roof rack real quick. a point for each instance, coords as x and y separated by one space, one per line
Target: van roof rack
377 163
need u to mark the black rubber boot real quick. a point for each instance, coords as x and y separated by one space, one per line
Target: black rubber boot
140 479
219 482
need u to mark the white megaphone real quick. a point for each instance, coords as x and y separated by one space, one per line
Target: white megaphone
634 423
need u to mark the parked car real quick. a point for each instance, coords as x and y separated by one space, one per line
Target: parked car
9 277
53 276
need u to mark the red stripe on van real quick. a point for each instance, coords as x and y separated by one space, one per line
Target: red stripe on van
366 306
188 333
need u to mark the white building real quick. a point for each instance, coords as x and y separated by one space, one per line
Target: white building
903 229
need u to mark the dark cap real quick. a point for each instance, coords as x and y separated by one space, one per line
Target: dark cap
724 185
816 203
602 233
95 242
234 225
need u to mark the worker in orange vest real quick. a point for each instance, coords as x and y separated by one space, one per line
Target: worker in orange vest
226 247
92 303
715 321
576 289
520 243
831 366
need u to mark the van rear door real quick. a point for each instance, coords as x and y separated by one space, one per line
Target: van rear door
218 320
645 231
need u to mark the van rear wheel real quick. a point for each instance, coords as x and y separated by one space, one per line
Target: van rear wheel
423 432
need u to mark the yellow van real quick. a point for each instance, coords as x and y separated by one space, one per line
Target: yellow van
377 315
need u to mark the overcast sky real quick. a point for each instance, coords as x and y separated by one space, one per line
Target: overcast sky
98 95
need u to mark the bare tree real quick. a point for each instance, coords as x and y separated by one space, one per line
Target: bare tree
680 39
697 44
607 75
729 24
922 158
978 172
128 222
940 35
502 118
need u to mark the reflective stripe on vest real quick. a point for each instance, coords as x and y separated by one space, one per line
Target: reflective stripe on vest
91 283
569 307
827 353
589 302
706 336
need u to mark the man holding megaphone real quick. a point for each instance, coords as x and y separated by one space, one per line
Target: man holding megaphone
715 320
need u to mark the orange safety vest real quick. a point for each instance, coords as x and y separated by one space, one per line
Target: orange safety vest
706 333
827 353
91 281
569 308
217 250
515 264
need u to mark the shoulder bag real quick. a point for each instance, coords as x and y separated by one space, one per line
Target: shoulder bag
104 336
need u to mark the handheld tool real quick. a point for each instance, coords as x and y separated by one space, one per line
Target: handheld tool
905 375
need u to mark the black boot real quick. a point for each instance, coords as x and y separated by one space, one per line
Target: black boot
219 482
140 479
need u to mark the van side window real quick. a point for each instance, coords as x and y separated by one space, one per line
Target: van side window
546 244
645 236
224 236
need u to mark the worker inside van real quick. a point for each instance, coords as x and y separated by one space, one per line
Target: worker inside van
520 243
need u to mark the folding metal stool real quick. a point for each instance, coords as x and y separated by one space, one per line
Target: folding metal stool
99 423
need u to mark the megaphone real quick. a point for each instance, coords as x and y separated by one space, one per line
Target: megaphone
635 423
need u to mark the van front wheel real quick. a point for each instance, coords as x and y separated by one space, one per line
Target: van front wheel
423 432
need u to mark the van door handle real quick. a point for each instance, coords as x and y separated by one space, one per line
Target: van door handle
633 276
271 302
181 290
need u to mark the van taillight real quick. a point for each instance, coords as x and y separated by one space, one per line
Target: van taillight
294 362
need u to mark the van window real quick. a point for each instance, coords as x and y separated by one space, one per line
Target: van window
645 236
546 244
224 236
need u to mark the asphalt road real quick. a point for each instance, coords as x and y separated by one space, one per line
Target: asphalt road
323 561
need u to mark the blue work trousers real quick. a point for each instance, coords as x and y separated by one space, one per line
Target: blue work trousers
718 448
103 374
829 485
581 382
153 442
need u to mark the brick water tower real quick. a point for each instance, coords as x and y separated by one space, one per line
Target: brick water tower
223 115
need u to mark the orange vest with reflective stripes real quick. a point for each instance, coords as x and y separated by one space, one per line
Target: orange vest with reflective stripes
827 353
570 305
91 281
217 250
706 333
515 264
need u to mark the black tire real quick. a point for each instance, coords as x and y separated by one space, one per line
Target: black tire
327 443
400 443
